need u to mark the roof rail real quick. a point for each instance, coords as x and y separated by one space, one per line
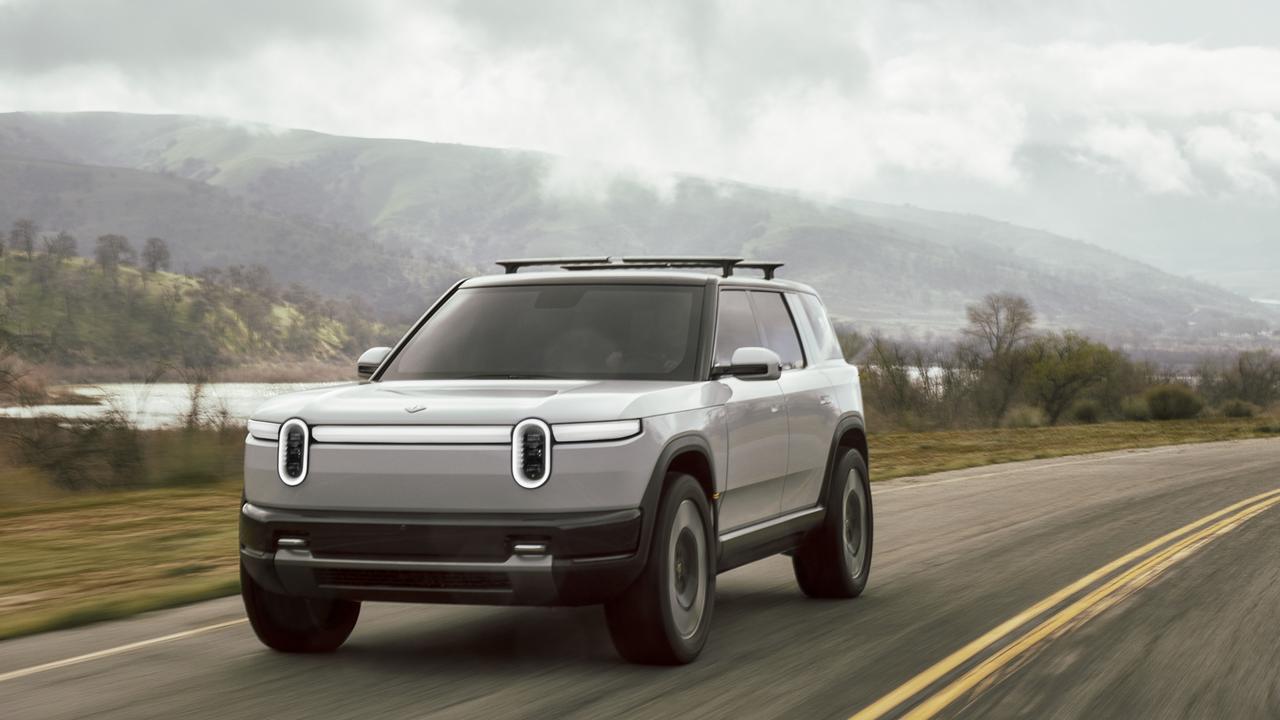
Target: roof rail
726 265
511 266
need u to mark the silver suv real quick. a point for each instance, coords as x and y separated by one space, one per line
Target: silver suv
615 431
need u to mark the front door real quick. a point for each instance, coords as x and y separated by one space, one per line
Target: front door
756 418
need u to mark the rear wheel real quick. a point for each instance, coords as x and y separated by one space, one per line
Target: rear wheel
664 617
297 624
835 559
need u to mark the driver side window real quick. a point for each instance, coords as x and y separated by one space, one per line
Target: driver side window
735 325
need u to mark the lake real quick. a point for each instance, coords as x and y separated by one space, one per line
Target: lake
160 405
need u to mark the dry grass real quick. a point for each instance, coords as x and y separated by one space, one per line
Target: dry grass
97 556
74 558
905 454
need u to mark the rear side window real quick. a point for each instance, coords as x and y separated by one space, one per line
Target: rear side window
777 328
816 315
735 325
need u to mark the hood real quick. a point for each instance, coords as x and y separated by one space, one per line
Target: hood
490 402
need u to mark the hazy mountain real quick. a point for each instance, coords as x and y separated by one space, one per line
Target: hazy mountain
385 217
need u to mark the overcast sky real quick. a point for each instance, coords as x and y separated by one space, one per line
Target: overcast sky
1098 119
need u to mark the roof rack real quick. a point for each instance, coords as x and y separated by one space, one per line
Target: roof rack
512 266
768 266
726 265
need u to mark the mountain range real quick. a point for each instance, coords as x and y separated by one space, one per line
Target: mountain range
395 221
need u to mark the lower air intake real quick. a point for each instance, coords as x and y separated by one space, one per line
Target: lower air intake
412 579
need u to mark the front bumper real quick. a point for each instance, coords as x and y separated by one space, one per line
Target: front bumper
589 557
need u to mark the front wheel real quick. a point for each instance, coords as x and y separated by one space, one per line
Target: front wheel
297 624
664 617
835 559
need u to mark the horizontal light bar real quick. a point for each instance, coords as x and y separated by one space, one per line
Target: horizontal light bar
264 430
413 434
595 431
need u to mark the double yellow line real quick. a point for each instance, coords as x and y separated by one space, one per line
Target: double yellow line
948 680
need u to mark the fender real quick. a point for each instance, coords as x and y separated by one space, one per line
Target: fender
683 442
849 421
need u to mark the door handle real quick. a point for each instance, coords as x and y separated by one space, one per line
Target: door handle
774 408
826 401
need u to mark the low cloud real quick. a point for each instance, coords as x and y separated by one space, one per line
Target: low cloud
822 96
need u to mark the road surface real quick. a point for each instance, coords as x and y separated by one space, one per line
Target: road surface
1131 584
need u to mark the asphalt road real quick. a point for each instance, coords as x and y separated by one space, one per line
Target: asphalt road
1188 627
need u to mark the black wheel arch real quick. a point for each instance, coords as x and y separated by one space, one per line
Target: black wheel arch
850 434
688 452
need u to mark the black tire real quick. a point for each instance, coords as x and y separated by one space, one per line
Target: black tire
297 624
834 561
663 618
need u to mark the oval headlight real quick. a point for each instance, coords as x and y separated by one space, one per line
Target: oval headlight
295 446
531 453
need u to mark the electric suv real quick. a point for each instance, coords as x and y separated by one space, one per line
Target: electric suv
612 431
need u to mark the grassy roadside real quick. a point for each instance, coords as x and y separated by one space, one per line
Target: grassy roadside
78 558
896 455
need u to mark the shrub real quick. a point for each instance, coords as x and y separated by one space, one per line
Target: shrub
1135 408
1239 409
1173 402
1025 416
1087 412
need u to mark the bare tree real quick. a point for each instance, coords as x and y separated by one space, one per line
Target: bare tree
22 238
155 255
1000 326
1000 322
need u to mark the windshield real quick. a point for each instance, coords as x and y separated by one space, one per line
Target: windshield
608 332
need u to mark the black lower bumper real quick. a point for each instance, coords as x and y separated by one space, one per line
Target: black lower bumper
457 558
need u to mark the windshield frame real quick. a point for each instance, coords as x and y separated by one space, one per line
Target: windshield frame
703 345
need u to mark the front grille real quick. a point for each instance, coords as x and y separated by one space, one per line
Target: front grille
412 579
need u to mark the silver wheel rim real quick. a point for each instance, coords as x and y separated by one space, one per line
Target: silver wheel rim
855 522
687 569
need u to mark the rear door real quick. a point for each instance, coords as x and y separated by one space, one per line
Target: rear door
756 419
811 410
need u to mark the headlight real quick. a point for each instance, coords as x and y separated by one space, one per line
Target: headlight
295 442
530 453
264 430
595 431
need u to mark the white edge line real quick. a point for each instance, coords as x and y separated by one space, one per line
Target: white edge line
120 649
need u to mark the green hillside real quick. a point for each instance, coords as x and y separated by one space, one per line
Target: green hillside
397 220
75 312
207 226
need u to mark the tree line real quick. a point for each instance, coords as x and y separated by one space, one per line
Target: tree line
121 306
1002 370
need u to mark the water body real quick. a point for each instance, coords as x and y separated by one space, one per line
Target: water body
160 405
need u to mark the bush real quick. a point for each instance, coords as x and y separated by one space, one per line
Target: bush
1239 409
1173 402
1025 416
1088 412
1135 408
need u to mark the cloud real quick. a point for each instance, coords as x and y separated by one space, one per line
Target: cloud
1150 157
146 38
822 96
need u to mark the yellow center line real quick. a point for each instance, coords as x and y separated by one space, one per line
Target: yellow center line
24 672
1130 580
971 650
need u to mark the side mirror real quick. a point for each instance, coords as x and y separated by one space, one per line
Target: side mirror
370 360
751 363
